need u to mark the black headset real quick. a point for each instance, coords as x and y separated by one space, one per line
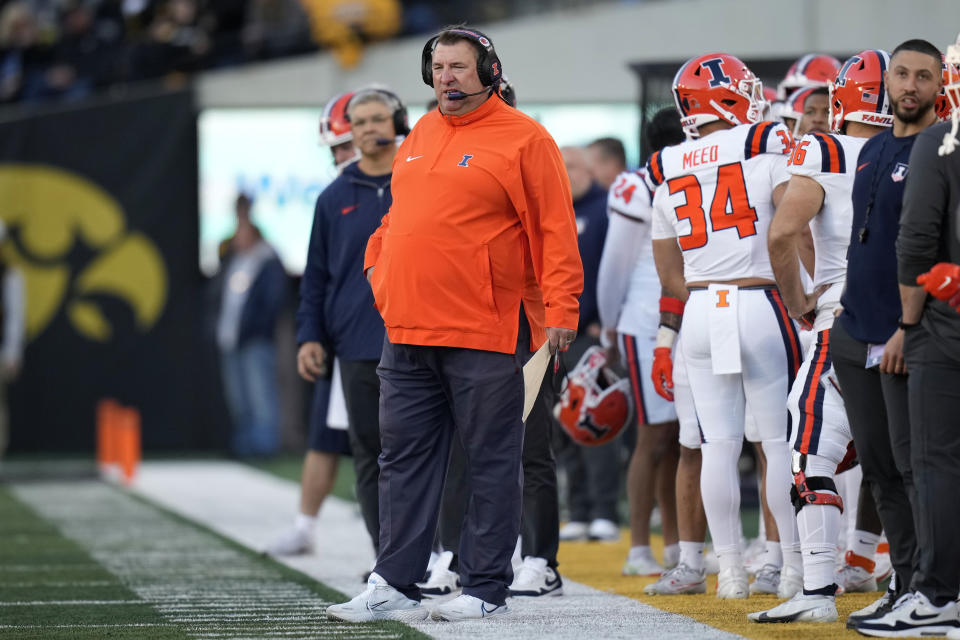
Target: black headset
401 123
489 69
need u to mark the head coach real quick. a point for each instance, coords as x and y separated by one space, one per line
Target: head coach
474 266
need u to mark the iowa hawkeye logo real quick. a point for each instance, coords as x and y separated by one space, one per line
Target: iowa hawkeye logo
52 214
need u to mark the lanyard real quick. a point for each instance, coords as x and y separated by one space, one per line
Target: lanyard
864 232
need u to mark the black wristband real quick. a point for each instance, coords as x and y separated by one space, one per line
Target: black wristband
906 325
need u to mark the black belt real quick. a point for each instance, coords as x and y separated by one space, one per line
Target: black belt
749 287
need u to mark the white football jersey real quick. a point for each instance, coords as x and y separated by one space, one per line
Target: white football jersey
631 197
831 160
715 196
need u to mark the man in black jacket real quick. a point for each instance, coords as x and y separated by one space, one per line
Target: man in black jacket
929 234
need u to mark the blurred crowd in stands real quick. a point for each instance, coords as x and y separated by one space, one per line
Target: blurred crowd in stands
68 50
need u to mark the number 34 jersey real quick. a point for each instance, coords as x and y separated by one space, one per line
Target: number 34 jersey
715 196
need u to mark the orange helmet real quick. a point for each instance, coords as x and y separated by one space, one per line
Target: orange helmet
859 93
334 126
716 86
595 404
793 107
944 105
812 70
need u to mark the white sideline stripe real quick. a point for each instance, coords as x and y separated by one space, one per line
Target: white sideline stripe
175 567
252 507
86 566
78 583
40 603
132 625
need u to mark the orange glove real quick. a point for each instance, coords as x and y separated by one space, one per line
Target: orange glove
943 283
662 372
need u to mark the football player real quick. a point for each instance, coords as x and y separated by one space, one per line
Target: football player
811 70
335 131
627 287
807 110
818 196
714 200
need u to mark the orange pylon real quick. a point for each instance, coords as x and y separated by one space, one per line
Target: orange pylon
118 440
108 411
128 443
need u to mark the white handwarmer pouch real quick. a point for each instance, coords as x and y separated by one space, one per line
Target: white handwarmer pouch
724 329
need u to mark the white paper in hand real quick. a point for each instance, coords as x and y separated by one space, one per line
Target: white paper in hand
337 409
533 375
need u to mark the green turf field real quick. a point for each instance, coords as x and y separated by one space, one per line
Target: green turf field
83 559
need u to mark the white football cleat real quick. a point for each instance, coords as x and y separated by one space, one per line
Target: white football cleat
604 530
535 578
913 616
442 581
292 542
641 565
574 531
465 607
854 579
799 608
791 582
732 584
882 566
379 601
677 581
766 579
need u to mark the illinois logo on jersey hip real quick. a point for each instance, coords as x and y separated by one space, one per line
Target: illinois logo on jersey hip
899 172
463 163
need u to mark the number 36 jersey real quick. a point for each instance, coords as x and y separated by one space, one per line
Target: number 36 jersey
715 196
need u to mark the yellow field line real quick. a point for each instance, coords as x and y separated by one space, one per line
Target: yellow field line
598 564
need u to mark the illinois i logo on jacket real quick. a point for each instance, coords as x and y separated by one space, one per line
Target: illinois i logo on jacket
899 172
463 163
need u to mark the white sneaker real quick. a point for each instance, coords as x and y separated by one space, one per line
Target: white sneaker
732 584
880 606
465 607
766 579
574 531
913 616
642 565
679 580
379 601
292 542
604 530
791 582
535 578
799 608
442 581
854 579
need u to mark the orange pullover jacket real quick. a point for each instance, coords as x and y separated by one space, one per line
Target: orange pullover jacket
482 219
